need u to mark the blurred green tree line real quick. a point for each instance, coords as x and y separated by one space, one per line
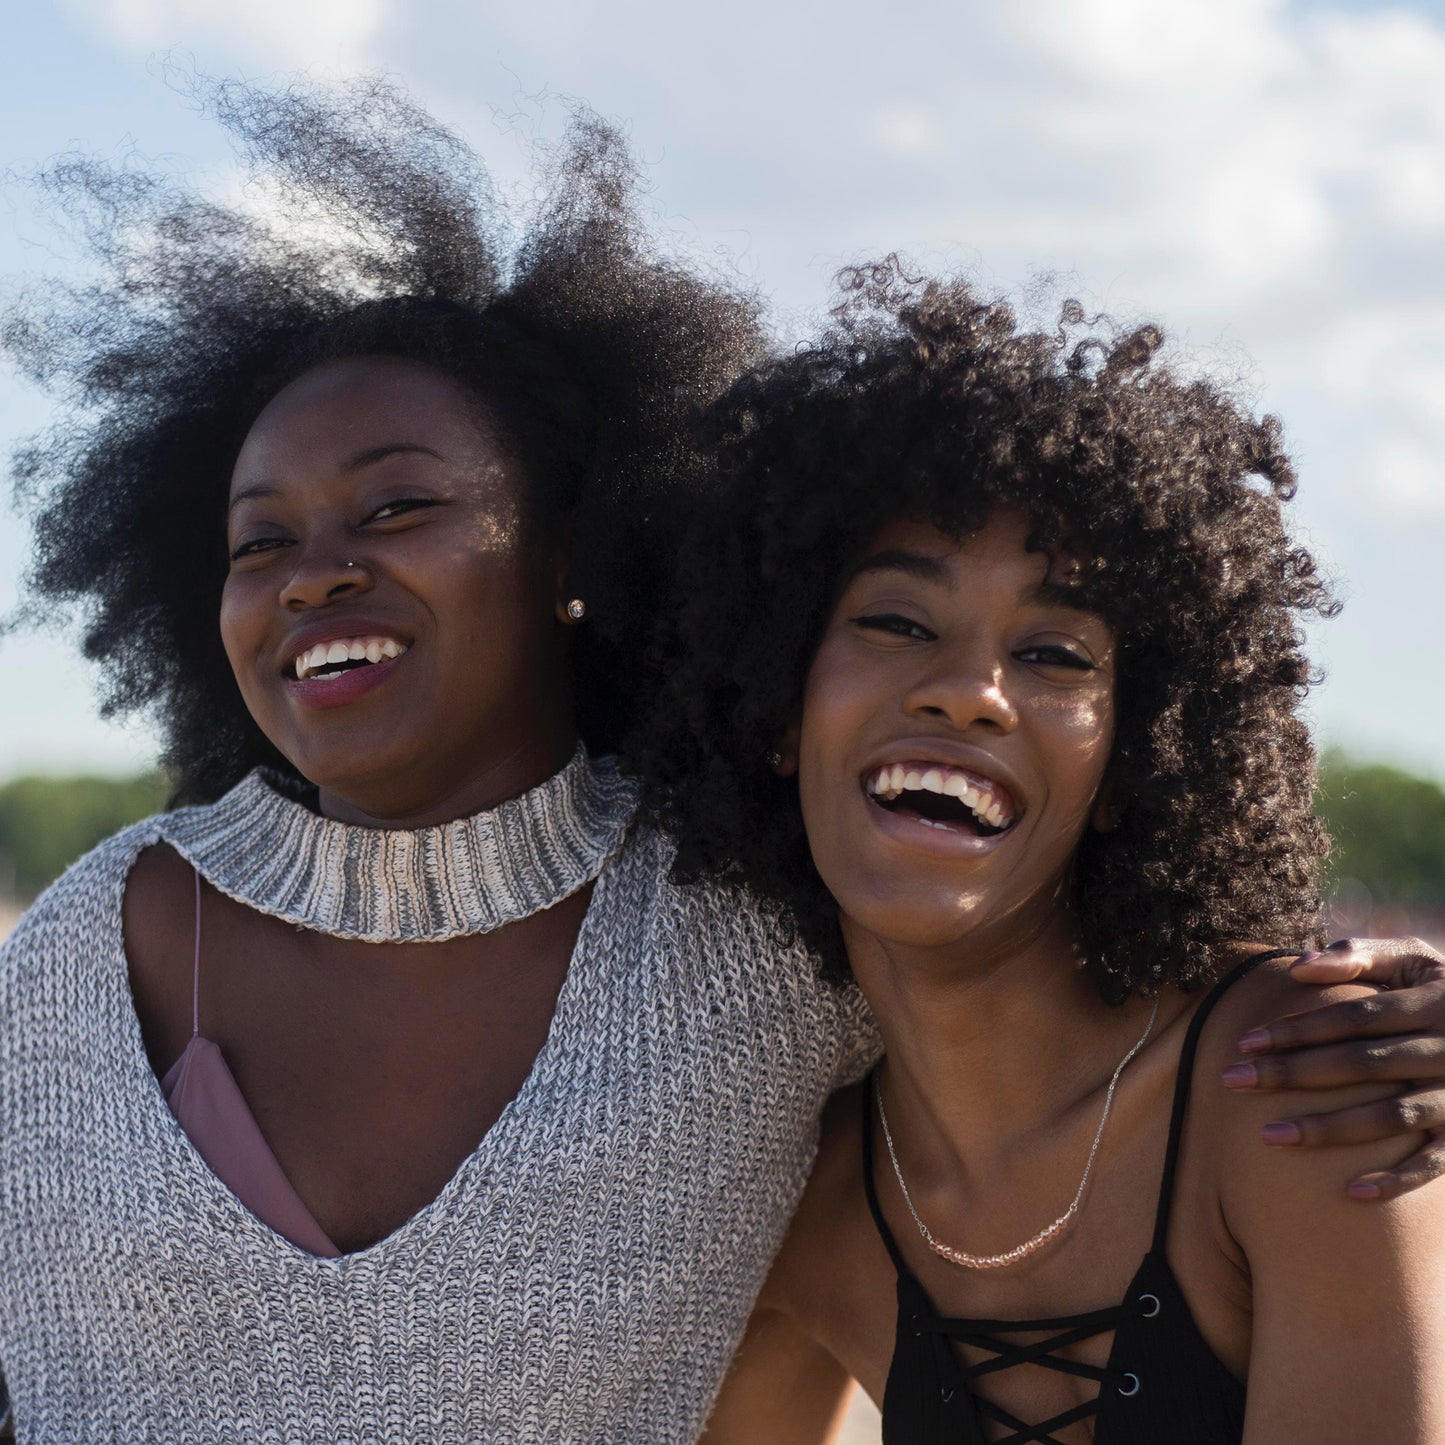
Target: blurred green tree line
1388 859
47 823
1388 827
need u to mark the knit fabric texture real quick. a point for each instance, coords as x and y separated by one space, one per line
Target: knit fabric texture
584 1276
400 885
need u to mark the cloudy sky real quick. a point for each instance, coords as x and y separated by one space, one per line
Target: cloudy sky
1266 177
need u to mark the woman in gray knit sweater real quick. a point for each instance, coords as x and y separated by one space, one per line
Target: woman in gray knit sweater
388 1089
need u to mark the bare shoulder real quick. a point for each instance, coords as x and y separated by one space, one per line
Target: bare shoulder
1340 1329
158 925
1256 1181
159 900
1264 994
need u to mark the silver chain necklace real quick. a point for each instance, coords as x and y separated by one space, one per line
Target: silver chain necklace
1020 1251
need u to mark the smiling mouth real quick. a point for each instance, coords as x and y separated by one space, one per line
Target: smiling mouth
343 655
944 797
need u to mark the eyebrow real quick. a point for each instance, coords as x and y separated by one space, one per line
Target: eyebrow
252 493
931 569
915 564
375 454
367 458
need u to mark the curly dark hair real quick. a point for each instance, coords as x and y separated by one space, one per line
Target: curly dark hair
923 401
590 350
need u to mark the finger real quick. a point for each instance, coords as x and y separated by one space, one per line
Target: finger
1369 1017
1392 962
1409 1113
1422 1167
1361 1061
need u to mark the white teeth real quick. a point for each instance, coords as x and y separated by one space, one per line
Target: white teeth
892 779
349 649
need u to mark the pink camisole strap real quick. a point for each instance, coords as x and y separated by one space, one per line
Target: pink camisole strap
208 1104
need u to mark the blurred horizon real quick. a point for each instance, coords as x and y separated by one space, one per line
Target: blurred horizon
1267 177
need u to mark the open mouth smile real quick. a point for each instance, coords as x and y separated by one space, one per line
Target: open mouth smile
345 654
340 670
944 797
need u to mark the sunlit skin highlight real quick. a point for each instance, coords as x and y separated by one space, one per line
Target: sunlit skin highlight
961 652
955 652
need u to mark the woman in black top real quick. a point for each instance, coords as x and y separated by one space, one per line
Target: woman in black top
993 690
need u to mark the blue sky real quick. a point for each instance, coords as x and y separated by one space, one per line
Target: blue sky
1267 178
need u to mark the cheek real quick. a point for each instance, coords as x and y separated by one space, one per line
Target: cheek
1082 732
839 703
242 622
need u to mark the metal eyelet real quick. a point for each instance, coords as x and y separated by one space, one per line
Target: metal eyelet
1133 1389
1149 1314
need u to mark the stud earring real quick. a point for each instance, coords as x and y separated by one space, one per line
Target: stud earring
775 758
576 609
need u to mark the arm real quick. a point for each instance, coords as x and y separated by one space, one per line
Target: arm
1398 1036
783 1389
1347 1337
829 1298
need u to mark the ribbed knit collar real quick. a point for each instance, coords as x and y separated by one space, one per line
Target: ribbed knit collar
408 885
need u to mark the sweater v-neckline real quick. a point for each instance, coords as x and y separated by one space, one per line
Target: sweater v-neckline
272 854
492 1150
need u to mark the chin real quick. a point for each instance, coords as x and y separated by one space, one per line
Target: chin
913 923
359 771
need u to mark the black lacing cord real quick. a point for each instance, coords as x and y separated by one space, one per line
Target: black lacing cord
1068 1330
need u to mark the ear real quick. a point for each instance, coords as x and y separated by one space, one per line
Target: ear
785 750
562 589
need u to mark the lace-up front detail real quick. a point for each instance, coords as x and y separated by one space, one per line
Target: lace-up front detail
1063 1332
1162 1382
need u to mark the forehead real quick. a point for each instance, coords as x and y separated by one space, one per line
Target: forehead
997 549
344 407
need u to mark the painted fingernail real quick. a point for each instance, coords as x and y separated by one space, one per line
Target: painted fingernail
1256 1041
1309 957
1364 1189
1239 1076
1281 1132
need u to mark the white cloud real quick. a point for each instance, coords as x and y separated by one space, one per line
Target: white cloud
908 130
1234 146
317 34
1407 475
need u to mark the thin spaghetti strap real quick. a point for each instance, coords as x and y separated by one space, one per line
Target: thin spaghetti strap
196 966
1184 1080
870 1188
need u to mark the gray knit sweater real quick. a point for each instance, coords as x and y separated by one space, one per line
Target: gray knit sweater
584 1276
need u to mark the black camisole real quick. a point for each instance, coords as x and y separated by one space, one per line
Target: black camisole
1162 1382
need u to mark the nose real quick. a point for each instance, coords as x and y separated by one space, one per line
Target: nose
323 575
966 687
